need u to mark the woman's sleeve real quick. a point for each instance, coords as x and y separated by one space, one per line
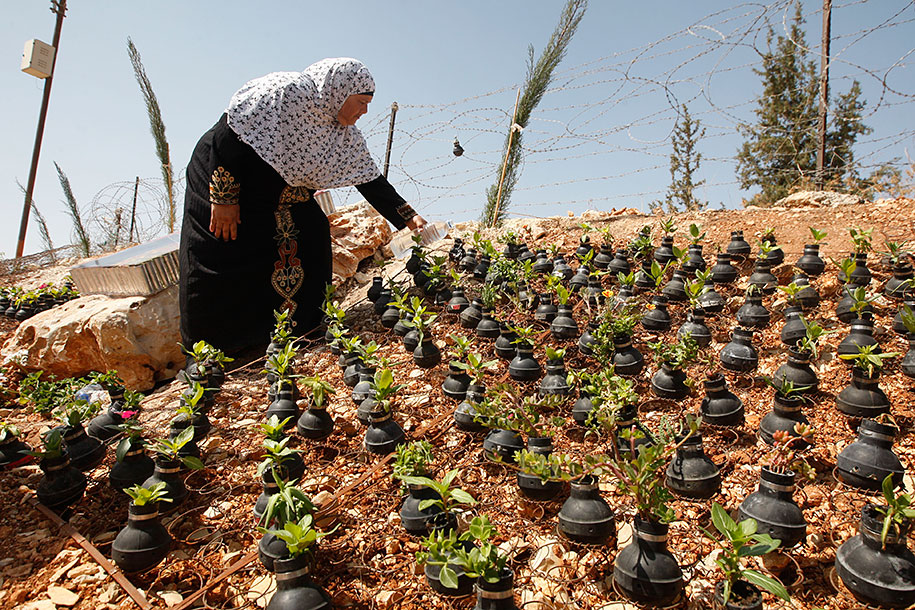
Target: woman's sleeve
382 196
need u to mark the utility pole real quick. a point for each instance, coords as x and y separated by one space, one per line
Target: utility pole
59 8
819 179
387 152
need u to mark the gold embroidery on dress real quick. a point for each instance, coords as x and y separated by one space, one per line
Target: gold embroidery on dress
288 275
294 194
224 188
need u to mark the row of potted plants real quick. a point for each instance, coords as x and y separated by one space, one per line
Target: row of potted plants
20 304
474 364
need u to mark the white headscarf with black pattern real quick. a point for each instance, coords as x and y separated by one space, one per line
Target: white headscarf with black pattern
290 120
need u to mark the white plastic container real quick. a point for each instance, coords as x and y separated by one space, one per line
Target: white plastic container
403 240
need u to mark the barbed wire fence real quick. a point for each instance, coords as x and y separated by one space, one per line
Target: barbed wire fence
624 106
603 129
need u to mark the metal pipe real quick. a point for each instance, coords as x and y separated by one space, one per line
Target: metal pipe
820 176
387 152
59 7
133 209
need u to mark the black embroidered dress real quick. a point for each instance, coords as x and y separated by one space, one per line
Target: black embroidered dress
281 258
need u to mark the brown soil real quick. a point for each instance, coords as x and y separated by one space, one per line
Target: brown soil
368 561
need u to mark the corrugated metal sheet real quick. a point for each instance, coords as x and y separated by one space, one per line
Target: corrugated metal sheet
137 271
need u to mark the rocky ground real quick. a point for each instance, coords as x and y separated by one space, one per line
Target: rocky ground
369 561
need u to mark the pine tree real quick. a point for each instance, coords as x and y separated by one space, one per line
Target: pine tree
845 127
684 164
780 149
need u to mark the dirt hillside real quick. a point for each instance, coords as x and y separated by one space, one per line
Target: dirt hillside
368 562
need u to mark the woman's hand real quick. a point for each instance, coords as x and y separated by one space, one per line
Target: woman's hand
224 220
416 223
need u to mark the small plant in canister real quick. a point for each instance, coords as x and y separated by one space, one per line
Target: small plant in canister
133 465
170 464
61 485
694 325
614 412
856 302
280 461
192 411
426 353
438 555
445 501
466 412
144 542
555 381
334 317
772 505
414 459
85 451
669 381
542 473
103 425
215 363
455 383
612 338
741 586
786 413
864 397
810 262
13 451
876 565
383 433
439 559
288 505
282 327
645 570
295 590
510 417
563 326
196 354
524 367
442 574
315 423
283 387
483 561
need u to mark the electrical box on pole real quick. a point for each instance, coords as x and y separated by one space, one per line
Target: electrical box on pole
38 58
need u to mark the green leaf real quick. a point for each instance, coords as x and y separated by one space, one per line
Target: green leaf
722 520
449 478
384 378
747 528
123 448
424 504
184 437
192 462
448 577
887 487
420 481
767 583
462 497
762 548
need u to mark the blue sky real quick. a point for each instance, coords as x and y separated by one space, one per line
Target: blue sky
599 139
